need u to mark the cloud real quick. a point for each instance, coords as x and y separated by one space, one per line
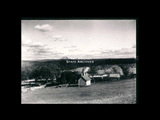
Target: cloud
37 50
43 28
58 38
93 51
121 52
25 41
73 46
107 51
34 44
74 50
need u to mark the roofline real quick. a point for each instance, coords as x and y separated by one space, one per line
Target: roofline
84 79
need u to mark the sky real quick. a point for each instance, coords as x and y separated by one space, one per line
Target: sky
78 39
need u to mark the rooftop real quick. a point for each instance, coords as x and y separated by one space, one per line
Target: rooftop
86 78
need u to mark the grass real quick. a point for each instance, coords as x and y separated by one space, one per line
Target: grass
119 92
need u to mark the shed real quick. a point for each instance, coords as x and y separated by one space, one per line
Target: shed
112 76
84 81
96 76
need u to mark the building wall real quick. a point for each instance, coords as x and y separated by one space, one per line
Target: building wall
114 75
88 82
81 82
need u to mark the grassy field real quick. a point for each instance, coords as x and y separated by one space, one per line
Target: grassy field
117 92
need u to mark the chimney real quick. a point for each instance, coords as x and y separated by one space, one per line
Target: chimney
83 73
85 70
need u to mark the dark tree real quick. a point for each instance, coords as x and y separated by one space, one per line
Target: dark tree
55 71
114 69
45 72
125 69
92 71
22 75
35 73
70 77
25 73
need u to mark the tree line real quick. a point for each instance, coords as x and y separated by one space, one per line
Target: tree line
55 70
41 71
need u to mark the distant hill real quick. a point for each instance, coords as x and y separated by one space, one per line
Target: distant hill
102 65
101 69
62 62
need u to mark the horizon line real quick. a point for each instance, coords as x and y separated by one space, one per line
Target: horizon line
77 59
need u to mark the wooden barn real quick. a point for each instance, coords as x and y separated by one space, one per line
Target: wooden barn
84 81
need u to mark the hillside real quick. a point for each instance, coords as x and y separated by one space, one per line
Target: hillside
118 92
62 62
123 66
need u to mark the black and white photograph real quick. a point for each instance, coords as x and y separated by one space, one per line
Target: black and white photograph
78 61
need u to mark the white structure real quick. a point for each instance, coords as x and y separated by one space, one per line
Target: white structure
117 76
30 80
84 81
100 76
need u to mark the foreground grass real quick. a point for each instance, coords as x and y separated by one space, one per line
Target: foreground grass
119 92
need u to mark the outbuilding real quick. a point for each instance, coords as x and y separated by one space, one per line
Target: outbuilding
84 81
114 76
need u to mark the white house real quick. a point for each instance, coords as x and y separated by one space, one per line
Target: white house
84 81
